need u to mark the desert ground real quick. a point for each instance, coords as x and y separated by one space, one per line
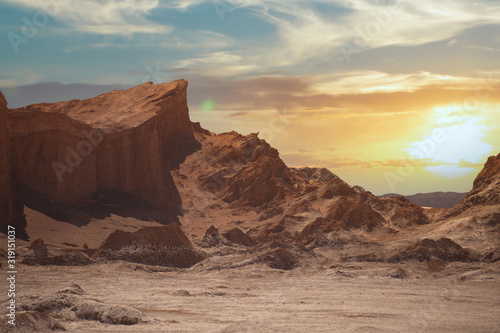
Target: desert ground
347 297
228 292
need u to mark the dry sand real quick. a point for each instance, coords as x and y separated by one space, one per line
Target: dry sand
350 297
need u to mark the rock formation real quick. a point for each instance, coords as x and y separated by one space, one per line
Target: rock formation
280 258
11 211
426 249
125 141
485 193
166 246
5 192
212 238
237 236
31 321
140 143
71 303
38 249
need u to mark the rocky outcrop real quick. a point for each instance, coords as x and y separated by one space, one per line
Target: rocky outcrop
490 173
280 258
262 179
426 249
165 246
30 321
363 216
212 238
125 141
404 217
71 304
38 249
485 191
237 236
38 254
318 174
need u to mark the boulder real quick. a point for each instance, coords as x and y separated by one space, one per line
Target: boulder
38 249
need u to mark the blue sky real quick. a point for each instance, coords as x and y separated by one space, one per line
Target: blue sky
350 85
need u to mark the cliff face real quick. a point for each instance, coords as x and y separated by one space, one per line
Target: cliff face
485 192
11 211
5 195
125 141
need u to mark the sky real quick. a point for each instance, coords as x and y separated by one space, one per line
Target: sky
393 95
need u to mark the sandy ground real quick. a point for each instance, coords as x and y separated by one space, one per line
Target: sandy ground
350 297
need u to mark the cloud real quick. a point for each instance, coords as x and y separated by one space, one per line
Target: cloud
377 81
314 32
211 59
112 17
298 160
354 95
479 47
238 114
311 157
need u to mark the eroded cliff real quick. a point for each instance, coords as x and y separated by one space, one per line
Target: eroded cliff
125 141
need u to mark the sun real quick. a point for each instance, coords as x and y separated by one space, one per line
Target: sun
459 138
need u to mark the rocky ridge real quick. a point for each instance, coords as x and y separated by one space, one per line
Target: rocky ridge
232 193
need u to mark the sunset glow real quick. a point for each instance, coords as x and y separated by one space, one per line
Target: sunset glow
360 87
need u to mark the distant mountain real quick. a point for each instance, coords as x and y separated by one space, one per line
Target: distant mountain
433 199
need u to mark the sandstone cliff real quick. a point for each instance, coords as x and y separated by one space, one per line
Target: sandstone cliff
11 211
5 194
125 141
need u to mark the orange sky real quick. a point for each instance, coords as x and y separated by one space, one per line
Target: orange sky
420 136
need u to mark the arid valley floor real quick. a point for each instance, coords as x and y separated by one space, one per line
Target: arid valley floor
353 297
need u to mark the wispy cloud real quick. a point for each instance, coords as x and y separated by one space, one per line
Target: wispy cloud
112 17
305 32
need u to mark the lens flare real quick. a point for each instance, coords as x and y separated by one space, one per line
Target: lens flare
207 105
